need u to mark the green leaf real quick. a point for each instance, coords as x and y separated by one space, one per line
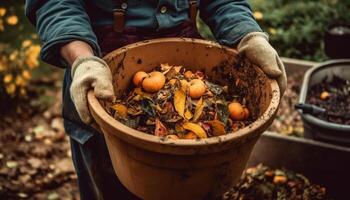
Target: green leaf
147 107
222 112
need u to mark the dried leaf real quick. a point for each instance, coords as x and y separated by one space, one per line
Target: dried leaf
143 94
189 135
138 91
35 162
167 108
199 109
160 129
121 110
184 85
199 74
131 122
180 102
11 164
197 129
158 108
163 95
217 127
134 110
179 127
188 115
173 72
165 67
214 88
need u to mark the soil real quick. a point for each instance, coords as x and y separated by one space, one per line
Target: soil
288 120
35 158
337 105
262 182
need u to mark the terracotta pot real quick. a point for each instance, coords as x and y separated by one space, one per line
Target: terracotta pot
154 168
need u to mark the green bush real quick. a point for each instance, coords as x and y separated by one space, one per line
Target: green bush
297 27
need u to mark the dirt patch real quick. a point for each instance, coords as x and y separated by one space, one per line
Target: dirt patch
288 120
333 96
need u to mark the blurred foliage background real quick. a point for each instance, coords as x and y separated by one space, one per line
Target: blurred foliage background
20 65
296 29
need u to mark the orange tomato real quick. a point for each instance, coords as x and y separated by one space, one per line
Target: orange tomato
196 89
138 77
236 111
154 82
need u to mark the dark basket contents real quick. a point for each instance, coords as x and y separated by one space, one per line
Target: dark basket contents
288 120
262 182
334 96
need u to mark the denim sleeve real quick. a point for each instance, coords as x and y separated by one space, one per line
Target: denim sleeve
229 20
59 22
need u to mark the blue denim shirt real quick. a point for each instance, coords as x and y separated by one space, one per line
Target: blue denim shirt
61 21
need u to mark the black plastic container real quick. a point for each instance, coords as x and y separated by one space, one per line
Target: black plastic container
315 128
337 41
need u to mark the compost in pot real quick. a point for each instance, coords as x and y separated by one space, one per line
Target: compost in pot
263 182
334 97
177 103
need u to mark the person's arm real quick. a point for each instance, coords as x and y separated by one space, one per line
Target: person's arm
68 40
59 22
233 25
73 50
229 20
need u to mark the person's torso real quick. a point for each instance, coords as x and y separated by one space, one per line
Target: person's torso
150 14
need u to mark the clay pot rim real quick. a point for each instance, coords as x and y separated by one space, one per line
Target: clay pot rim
97 108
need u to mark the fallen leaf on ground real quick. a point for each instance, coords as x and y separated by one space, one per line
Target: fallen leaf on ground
65 165
34 162
11 164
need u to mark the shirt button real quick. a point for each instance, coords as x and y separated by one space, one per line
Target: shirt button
124 6
163 9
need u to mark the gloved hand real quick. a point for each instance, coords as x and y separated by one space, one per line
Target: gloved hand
256 48
90 72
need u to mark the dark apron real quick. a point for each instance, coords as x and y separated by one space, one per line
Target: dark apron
96 177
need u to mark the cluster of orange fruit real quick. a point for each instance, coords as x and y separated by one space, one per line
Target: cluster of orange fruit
154 81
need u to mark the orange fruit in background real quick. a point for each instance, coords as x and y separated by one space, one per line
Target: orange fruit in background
324 95
138 77
196 89
154 82
236 111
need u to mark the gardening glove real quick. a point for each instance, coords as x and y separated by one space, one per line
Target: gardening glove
90 72
256 48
